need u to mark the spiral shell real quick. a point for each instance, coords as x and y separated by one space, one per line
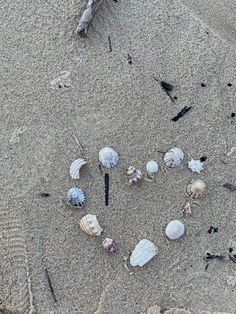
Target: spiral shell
174 229
76 196
143 252
173 157
196 188
108 157
133 175
75 168
90 225
110 245
195 165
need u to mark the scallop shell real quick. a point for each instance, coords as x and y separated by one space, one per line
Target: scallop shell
173 157
90 225
196 188
76 196
75 168
143 252
195 165
174 229
133 175
108 157
110 245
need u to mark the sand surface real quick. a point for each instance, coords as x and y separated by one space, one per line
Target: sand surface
111 102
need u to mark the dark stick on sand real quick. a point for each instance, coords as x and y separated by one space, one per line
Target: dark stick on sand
87 17
109 42
50 285
106 183
181 113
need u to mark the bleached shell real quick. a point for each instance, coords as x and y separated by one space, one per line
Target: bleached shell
174 229
108 157
196 188
173 157
152 166
195 165
76 196
133 174
143 252
110 245
75 168
90 225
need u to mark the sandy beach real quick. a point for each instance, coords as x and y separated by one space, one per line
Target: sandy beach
108 101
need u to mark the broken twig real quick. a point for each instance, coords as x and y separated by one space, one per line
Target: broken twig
109 42
181 113
50 285
106 182
230 187
87 17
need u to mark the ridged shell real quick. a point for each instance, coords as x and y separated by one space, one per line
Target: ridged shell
143 252
196 188
90 225
175 229
108 157
133 175
110 245
195 165
173 157
75 168
76 196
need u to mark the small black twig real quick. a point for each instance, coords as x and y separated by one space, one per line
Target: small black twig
109 42
129 58
43 194
181 113
106 182
100 169
210 256
230 187
50 285
207 265
166 87
232 258
203 158
212 229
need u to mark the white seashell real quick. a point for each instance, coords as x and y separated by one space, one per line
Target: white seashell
152 168
196 188
76 196
90 225
75 168
108 157
195 165
133 175
175 229
110 245
173 157
143 252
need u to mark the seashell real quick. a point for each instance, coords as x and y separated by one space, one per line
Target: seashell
196 188
108 157
75 168
143 252
90 225
110 245
195 165
76 196
133 175
152 168
173 157
174 229
187 211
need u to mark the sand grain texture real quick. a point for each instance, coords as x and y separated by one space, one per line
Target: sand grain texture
110 102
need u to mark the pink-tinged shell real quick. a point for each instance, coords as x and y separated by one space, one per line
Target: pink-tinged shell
133 175
110 245
90 225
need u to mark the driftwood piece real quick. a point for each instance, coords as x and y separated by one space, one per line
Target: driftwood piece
87 17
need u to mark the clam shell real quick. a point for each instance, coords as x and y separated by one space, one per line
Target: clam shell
90 225
174 229
75 168
196 188
110 245
76 196
195 165
133 175
173 157
143 252
108 157
152 166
